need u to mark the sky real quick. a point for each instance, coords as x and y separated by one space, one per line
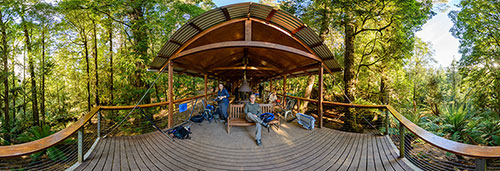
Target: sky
436 32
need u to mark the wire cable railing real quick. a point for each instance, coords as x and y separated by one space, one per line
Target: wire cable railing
423 149
69 147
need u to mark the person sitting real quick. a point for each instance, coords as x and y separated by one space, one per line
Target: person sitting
273 98
253 111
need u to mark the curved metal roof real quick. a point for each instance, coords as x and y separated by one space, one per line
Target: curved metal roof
280 18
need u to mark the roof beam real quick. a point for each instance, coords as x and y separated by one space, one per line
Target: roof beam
257 44
175 42
196 27
298 29
226 13
270 15
316 45
246 68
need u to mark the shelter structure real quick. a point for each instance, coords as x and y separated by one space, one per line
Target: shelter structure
246 39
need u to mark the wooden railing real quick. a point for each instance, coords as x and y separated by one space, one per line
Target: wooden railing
475 151
49 141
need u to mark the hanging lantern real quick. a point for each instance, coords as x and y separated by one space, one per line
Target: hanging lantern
244 86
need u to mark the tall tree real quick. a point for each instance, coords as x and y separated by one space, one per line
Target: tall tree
476 26
5 76
34 99
95 62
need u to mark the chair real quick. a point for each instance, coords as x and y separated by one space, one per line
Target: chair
289 107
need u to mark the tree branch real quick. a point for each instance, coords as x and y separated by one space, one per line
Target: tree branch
375 29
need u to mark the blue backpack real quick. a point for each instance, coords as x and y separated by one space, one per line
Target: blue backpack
266 117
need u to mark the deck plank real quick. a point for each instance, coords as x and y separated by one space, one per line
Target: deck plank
145 161
363 155
93 158
148 157
386 163
321 149
131 154
391 152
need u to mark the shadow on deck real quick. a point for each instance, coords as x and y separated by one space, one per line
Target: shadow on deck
211 148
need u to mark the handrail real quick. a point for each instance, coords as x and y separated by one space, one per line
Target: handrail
436 141
46 142
152 104
49 141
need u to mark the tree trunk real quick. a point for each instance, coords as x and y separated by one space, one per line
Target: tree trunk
42 86
110 32
383 88
34 103
24 84
307 95
85 46
350 123
139 32
95 61
14 96
6 81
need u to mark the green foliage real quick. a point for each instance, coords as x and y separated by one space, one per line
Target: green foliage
37 132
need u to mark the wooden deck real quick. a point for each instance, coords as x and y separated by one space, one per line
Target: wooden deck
211 148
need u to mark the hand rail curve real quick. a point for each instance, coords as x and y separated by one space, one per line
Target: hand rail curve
51 140
46 142
436 141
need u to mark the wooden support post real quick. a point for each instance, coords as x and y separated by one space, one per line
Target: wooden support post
80 145
481 165
248 30
401 140
205 77
284 91
386 122
170 95
320 96
99 123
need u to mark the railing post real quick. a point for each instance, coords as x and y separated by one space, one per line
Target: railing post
401 140
481 164
80 145
99 123
386 122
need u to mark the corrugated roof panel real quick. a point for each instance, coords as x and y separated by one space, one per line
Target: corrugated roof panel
260 11
302 35
238 11
214 17
170 49
282 23
291 20
323 50
313 36
282 19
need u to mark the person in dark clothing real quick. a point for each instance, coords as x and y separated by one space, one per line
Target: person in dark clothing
223 99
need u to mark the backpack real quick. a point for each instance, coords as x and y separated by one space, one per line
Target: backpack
266 117
197 119
181 132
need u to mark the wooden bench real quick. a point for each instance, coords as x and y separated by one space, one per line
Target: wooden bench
238 118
